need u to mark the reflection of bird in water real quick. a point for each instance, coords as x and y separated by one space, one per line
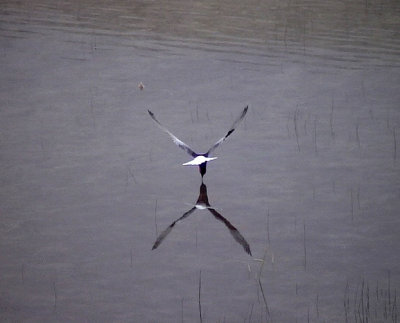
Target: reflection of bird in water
202 204
200 159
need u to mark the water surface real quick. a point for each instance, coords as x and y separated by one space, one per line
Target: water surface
310 179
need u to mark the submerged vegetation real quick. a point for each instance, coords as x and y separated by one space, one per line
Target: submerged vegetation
365 302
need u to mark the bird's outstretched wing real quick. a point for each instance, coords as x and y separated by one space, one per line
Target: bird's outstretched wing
164 234
176 140
232 129
234 232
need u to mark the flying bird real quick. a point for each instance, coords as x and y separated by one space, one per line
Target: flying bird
200 159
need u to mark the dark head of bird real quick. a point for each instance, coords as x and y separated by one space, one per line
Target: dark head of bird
203 169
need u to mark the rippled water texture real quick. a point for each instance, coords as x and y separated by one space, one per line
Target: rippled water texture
308 183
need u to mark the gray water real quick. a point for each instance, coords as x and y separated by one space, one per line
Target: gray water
310 179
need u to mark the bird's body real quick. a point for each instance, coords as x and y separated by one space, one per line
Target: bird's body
199 160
